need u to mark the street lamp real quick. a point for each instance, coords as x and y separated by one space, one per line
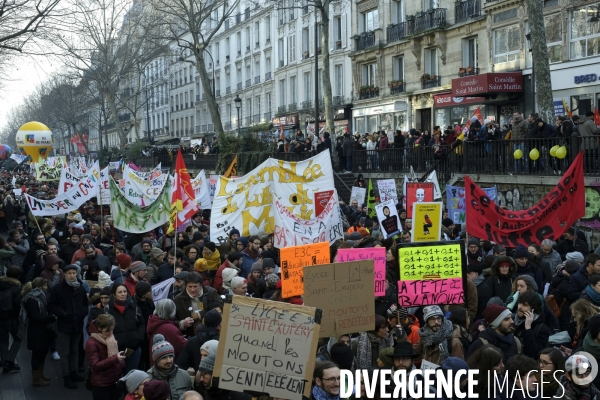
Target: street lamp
238 105
147 106
528 37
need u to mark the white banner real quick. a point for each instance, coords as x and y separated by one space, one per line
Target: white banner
70 200
437 193
114 165
142 191
104 187
18 158
290 230
201 187
67 181
246 203
387 190
160 291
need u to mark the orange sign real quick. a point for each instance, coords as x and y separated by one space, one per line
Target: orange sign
294 259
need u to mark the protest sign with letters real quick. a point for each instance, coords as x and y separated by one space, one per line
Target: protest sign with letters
417 192
114 165
290 230
160 291
388 218
432 273
104 186
437 192
427 222
247 201
293 259
67 181
47 173
321 200
387 190
267 348
358 194
201 187
456 201
377 254
548 219
343 292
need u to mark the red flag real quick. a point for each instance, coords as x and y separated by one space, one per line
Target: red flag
596 116
183 201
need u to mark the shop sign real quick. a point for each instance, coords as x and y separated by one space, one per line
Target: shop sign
447 99
286 120
501 82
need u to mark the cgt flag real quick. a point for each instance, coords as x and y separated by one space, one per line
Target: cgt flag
548 219
183 201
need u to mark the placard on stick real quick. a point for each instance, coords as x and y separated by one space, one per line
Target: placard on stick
343 291
267 347
293 259
431 273
377 254
427 222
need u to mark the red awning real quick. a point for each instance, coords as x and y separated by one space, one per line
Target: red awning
493 82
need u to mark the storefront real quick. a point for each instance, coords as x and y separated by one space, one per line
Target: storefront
341 121
387 117
578 86
286 125
502 92
450 110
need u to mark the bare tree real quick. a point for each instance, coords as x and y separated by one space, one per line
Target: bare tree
25 22
192 24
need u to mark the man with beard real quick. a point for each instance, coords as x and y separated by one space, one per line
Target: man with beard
530 326
326 381
144 255
73 244
79 254
250 255
166 270
438 338
209 392
92 254
500 332
474 255
164 368
404 357
179 283
33 259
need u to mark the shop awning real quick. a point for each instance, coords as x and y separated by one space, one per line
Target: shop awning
493 82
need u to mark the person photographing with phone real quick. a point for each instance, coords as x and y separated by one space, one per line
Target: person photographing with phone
104 358
530 326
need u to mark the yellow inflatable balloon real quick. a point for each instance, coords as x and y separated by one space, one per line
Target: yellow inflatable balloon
35 139
534 154
553 150
518 154
561 152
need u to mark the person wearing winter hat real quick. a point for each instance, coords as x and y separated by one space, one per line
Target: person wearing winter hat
155 260
144 254
577 256
256 283
103 280
448 229
474 254
158 390
268 265
161 322
500 332
499 283
52 272
165 370
526 267
134 383
205 371
193 302
100 308
234 234
137 273
455 365
438 337
212 256
234 261
119 274
228 274
270 285
80 253
342 355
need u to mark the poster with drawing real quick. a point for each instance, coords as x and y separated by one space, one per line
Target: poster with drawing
418 192
388 219
358 194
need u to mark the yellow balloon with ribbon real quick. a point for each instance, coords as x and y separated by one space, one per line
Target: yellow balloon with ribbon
34 139
561 152
553 150
518 154
534 154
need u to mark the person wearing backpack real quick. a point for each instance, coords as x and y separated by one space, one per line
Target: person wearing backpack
10 306
500 332
439 339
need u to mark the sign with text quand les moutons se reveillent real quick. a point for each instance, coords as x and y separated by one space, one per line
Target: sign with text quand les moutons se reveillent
267 347
345 293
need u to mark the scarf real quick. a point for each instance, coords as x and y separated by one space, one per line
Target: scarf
320 394
593 295
111 343
365 348
75 284
591 347
119 306
250 253
519 321
439 338
162 374
40 297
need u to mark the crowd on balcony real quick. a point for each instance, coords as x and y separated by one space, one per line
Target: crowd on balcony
308 144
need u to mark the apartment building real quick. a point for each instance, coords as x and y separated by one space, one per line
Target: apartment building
156 83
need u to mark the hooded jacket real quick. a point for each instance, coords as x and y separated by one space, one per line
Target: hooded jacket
587 129
190 355
497 285
169 330
106 371
535 339
130 328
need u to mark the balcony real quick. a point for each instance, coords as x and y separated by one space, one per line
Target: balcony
281 109
430 82
239 86
210 127
256 118
366 40
292 107
397 88
198 129
267 116
399 31
468 71
203 128
197 97
228 90
467 10
218 94
368 93
227 126
248 82
306 105
267 76
256 79
430 20
338 100
247 121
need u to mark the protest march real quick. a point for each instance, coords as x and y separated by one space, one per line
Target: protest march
270 285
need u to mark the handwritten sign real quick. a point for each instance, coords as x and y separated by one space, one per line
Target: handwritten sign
358 194
418 192
343 293
293 259
267 347
388 217
427 222
387 190
431 273
377 254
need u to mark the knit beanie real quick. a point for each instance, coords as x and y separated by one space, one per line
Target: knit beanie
432 311
161 348
210 347
212 319
577 256
234 232
447 222
495 314
386 357
268 263
141 288
134 379
207 364
271 280
197 236
201 265
137 266
155 253
124 261
454 364
211 246
342 355
228 274
521 252
105 291
257 267
473 242
495 300
157 390
571 266
104 280
88 237
530 281
146 241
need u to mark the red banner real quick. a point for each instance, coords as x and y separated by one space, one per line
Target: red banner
548 219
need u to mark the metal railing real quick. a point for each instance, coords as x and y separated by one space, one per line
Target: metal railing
292 107
466 10
398 88
267 76
228 90
268 117
248 82
247 120
429 20
256 79
239 86
281 109
365 41
430 83
368 94
218 93
256 118
468 71
306 105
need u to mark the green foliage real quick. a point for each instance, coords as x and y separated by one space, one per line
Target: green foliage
250 150
133 152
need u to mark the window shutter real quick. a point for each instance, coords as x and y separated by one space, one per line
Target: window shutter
331 36
285 53
375 19
311 40
396 67
343 30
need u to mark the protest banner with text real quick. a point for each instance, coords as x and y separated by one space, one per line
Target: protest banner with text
456 201
267 348
67 181
387 190
293 259
358 194
201 186
427 222
377 254
343 292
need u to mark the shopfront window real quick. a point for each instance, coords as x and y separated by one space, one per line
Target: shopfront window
441 116
585 32
373 125
387 122
582 104
400 121
361 125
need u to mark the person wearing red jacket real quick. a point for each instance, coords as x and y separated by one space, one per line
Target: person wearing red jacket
162 322
234 260
104 358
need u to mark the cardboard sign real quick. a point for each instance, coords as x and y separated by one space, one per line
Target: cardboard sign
377 254
358 194
427 222
267 347
343 292
387 190
321 200
293 259
431 274
418 192
388 218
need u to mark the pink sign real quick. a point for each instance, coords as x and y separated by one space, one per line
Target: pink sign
376 254
429 292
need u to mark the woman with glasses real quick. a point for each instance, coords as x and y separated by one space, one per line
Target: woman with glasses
552 367
191 253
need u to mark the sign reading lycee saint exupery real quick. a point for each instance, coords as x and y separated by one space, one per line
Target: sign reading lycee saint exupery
267 347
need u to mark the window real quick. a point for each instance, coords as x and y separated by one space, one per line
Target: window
553 25
218 85
268 64
268 102
369 74
257 68
280 46
292 89
305 42
585 32
304 7
398 68
319 36
248 38
431 5
227 47
507 42
228 112
292 9
282 92
216 53
307 86
338 76
292 48
238 38
397 12
257 34
239 75
257 106
337 32
370 20
431 61
248 72
268 28
227 79
280 13
469 51
248 107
